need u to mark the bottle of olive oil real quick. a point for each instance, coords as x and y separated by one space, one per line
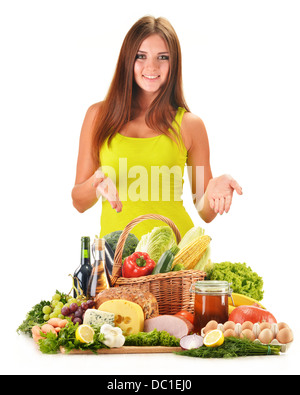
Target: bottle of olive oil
99 279
83 272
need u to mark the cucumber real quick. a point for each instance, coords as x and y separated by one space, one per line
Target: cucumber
164 264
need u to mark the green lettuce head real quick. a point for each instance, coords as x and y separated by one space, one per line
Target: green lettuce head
156 242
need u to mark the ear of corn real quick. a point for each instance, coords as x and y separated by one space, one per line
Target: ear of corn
191 253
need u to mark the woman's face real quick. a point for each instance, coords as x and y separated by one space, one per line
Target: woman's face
151 67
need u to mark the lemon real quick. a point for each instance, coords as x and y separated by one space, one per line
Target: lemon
214 338
85 333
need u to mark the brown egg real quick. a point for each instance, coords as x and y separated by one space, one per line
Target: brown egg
229 325
247 325
282 325
265 325
266 336
247 333
285 336
230 333
210 326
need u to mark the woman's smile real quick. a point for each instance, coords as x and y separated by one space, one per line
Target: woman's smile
151 77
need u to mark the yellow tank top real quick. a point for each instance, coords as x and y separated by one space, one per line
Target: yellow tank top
148 173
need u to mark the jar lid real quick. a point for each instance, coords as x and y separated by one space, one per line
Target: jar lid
213 287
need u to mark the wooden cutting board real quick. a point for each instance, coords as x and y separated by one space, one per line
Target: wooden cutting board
125 350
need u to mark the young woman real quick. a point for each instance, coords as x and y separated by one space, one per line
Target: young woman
135 144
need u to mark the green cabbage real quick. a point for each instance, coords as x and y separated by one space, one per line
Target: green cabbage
156 242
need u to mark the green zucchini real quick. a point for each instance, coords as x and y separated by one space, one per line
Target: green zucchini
164 263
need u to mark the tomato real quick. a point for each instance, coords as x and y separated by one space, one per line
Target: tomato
186 314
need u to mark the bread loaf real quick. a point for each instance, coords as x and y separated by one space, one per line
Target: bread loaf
146 300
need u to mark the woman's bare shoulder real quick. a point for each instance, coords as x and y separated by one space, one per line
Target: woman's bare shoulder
191 120
94 109
89 119
90 116
192 128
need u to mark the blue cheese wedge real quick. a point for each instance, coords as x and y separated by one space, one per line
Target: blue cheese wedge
98 318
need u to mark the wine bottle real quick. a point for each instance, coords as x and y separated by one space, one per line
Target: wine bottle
83 272
99 279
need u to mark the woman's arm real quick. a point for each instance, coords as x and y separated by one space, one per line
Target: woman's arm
198 161
210 195
89 182
84 191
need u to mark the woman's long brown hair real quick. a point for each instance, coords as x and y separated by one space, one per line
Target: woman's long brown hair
116 109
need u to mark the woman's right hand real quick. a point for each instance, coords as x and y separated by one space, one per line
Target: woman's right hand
106 188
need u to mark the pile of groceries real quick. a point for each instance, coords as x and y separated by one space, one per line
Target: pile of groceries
227 318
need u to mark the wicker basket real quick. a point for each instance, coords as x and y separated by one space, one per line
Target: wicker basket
172 290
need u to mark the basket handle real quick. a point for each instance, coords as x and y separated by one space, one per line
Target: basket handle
117 268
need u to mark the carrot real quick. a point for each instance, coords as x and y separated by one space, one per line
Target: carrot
57 329
54 321
47 328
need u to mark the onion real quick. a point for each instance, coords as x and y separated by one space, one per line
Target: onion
190 342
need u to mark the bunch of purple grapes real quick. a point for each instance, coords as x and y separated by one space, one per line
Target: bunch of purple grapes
76 312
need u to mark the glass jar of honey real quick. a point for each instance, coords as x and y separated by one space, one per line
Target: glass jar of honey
211 302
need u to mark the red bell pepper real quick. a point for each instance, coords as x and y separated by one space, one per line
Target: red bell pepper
138 264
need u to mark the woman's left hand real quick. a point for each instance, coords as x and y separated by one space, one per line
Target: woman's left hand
220 191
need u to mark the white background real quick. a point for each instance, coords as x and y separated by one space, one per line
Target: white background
241 76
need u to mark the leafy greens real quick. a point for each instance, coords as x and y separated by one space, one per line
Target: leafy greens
153 338
243 280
